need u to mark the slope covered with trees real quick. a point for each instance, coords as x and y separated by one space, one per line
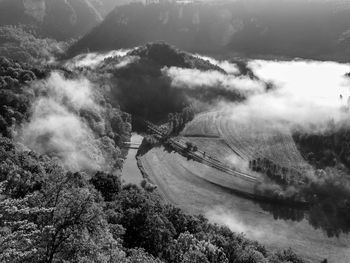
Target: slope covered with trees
21 44
57 19
142 89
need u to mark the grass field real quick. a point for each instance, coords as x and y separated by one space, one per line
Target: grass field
249 140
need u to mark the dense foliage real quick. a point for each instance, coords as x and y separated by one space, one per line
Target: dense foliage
329 187
15 94
57 19
326 149
21 44
51 215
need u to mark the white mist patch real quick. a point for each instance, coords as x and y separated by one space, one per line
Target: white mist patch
320 82
308 94
222 216
55 127
237 162
77 92
93 59
194 78
124 61
55 131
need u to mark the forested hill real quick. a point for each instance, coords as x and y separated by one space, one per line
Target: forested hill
142 85
57 19
282 28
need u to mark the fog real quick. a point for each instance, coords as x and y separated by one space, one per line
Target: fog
55 126
305 95
92 60
319 82
308 93
221 215
56 131
194 78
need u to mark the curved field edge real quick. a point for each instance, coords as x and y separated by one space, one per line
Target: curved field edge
249 139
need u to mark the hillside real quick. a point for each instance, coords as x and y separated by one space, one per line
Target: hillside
288 29
142 86
22 44
57 19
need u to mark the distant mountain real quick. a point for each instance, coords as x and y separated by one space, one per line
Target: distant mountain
58 19
308 29
106 6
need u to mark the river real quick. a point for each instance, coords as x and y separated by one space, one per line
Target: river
131 173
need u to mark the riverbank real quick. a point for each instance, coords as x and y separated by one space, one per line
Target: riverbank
131 173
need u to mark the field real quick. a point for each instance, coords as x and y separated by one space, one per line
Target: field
232 144
249 140
161 165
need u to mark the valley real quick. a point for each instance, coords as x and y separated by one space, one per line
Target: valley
170 131
197 188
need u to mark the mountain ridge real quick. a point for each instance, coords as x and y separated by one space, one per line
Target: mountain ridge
291 30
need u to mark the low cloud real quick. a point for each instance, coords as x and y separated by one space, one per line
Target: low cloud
55 127
194 78
308 94
93 60
77 92
220 215
56 131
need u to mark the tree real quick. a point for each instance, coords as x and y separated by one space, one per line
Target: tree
140 256
286 255
250 255
20 236
108 185
187 248
79 228
64 221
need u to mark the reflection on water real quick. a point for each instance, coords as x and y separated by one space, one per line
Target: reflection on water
332 221
284 212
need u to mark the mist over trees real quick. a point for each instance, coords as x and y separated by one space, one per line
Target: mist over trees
142 89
